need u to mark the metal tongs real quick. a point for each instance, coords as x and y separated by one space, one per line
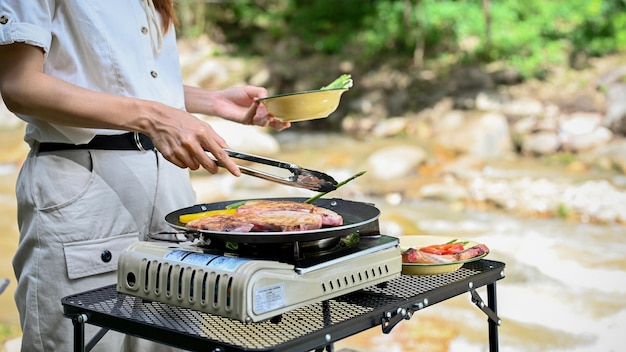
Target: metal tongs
300 177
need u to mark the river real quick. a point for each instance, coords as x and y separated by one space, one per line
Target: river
564 288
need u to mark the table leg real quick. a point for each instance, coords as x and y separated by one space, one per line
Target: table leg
493 325
79 332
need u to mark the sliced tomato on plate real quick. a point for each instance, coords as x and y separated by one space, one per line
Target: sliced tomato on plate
443 249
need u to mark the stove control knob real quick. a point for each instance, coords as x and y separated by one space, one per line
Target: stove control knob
106 256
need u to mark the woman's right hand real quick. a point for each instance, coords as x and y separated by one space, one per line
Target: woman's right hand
184 139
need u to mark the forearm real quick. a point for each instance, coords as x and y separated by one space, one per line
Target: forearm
53 100
178 135
27 90
199 101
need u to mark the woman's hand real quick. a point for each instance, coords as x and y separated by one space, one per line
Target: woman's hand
184 139
239 104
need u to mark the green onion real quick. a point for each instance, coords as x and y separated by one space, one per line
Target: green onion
235 205
320 195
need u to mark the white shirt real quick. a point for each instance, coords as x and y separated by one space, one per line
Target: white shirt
106 45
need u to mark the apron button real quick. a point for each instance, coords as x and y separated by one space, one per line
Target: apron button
106 256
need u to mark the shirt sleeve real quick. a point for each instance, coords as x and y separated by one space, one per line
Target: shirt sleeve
27 22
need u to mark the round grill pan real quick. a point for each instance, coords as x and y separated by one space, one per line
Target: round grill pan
357 217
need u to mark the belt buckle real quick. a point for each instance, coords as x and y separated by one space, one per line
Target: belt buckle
138 142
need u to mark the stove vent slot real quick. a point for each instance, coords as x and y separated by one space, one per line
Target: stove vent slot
168 286
146 286
171 280
192 285
157 286
355 278
205 278
215 292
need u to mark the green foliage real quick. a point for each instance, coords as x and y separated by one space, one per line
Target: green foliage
563 211
323 26
536 34
530 35
8 332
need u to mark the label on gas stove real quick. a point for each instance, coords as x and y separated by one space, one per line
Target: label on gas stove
205 259
269 298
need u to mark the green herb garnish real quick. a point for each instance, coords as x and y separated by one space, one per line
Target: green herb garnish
343 82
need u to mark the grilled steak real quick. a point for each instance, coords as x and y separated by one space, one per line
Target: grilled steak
273 216
221 223
472 252
272 205
329 217
283 220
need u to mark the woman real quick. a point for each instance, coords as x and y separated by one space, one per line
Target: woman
112 138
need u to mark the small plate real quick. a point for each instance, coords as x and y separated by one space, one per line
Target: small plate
305 105
419 241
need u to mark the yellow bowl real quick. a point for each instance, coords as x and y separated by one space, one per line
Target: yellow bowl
305 105
418 241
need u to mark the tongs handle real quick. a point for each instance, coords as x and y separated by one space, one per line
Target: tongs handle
301 177
261 160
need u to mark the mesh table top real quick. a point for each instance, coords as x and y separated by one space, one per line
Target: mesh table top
302 329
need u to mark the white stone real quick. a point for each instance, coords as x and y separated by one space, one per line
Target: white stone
395 162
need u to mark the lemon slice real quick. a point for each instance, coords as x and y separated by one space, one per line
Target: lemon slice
189 217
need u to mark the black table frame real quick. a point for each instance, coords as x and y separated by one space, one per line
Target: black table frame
313 327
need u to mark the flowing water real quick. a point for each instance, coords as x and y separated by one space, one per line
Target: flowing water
565 284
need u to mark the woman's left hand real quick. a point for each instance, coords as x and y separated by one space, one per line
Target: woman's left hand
242 105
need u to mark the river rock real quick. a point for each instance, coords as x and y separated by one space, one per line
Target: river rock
524 195
597 200
245 138
464 167
389 127
580 123
611 156
541 143
615 117
395 162
446 191
614 88
507 76
210 74
588 141
486 135
503 103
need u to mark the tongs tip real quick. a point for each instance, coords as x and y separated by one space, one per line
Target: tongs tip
300 177
314 180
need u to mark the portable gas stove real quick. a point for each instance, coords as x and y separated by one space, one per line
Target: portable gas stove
252 287
255 276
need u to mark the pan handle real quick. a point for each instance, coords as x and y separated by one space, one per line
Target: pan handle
172 236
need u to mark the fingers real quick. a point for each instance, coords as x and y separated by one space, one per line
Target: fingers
279 125
258 115
221 158
188 147
176 151
255 92
211 142
252 117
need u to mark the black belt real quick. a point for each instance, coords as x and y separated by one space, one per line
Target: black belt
126 141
